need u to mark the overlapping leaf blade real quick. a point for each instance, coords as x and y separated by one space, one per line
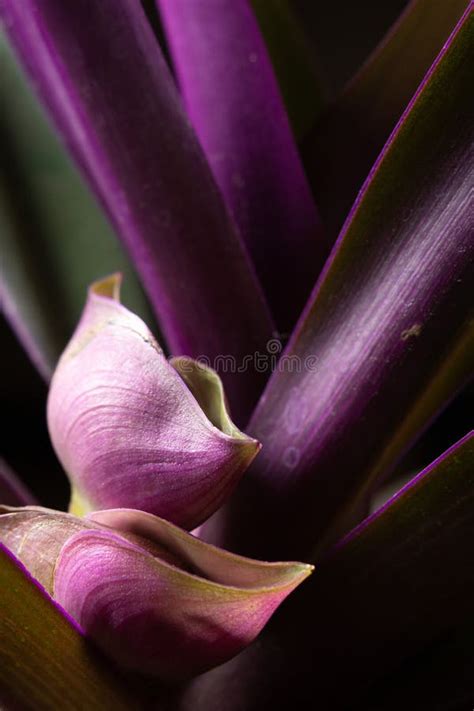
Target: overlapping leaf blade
398 581
386 339
101 73
346 139
51 226
233 100
45 662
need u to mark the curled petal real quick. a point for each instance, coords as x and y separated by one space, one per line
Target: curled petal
206 386
156 599
128 430
160 620
36 535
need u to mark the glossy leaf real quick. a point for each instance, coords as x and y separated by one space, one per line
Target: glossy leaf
346 139
12 491
99 69
45 662
400 580
221 61
159 601
51 226
128 430
386 339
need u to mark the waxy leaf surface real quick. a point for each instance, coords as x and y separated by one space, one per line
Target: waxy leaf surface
386 339
221 61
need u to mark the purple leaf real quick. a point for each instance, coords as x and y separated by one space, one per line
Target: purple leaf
395 583
156 599
234 103
129 431
45 662
347 138
386 339
100 71
12 491
50 227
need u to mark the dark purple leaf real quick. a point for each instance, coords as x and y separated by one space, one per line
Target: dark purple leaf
101 73
51 226
347 138
401 579
386 339
233 101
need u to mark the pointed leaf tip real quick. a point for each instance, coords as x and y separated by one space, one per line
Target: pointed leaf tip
155 618
156 599
108 287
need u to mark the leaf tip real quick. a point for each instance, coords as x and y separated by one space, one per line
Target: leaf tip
109 287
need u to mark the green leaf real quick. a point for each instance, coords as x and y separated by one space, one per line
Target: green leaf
24 302
54 238
293 61
45 663
347 138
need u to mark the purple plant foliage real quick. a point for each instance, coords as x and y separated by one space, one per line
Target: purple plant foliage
100 72
217 224
232 98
